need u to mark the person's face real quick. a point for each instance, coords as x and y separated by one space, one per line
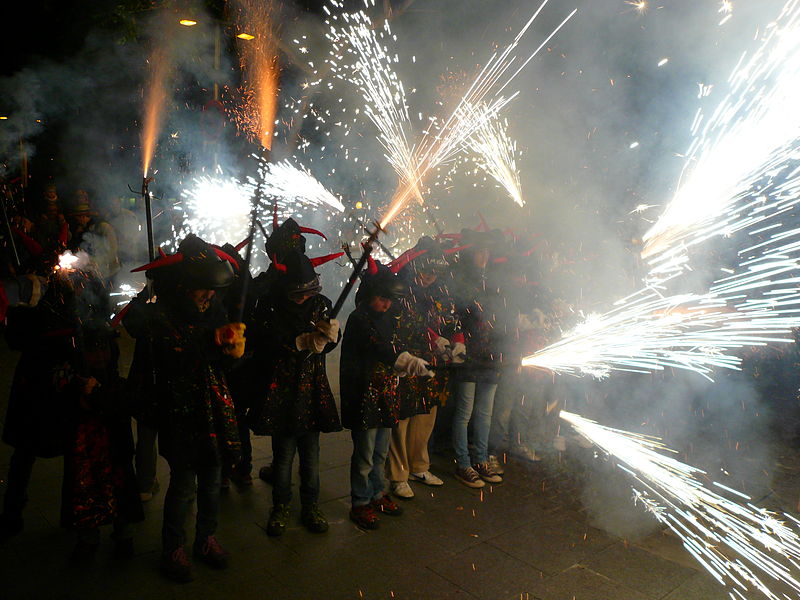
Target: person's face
82 220
380 304
201 298
426 278
480 258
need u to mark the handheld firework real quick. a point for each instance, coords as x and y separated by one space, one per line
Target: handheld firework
359 266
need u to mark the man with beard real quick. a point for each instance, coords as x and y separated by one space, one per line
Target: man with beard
183 346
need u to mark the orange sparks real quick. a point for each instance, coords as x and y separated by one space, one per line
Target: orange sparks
155 101
259 60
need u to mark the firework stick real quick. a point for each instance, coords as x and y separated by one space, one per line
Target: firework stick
10 232
244 272
351 281
148 211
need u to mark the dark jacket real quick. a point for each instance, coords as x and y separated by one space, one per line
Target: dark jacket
291 391
367 379
178 378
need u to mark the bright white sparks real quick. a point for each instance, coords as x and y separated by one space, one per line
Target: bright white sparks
751 132
291 184
496 153
742 545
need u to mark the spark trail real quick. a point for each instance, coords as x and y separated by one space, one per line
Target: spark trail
744 547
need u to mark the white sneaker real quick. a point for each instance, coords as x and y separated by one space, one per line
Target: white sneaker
427 478
495 464
401 489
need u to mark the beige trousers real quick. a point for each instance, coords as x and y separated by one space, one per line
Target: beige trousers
408 449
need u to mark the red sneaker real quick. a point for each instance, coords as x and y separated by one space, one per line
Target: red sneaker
387 506
364 516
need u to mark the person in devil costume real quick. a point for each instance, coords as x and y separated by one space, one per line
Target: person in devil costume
428 325
369 366
184 343
291 336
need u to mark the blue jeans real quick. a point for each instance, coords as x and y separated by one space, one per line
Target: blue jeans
184 484
284 447
475 401
367 481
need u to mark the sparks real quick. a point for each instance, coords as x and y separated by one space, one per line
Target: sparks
740 544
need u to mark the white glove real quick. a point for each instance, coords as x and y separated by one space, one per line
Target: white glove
459 353
408 364
314 341
441 346
330 329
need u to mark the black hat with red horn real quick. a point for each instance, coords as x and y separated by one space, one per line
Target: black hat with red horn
196 265
288 237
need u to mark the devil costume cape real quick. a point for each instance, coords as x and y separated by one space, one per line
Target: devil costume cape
178 370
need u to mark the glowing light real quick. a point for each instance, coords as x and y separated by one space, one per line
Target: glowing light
187 22
246 36
68 261
742 545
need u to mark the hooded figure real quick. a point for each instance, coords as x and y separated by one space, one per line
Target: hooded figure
369 368
292 336
184 344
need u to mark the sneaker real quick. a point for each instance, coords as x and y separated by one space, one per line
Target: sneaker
364 517
402 490
387 506
210 552
524 453
313 519
278 519
487 473
265 473
496 465
176 566
427 478
469 477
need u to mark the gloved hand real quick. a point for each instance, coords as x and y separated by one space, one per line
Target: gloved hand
231 338
314 341
441 347
459 353
408 364
330 329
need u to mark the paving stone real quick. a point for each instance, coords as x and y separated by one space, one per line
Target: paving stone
699 587
580 583
487 572
639 569
554 543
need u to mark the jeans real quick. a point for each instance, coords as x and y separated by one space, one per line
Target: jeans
367 481
284 447
474 400
184 483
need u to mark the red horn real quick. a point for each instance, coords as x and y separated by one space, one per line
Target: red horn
279 266
164 261
321 260
502 259
225 256
457 249
161 252
242 244
372 268
314 231
405 258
